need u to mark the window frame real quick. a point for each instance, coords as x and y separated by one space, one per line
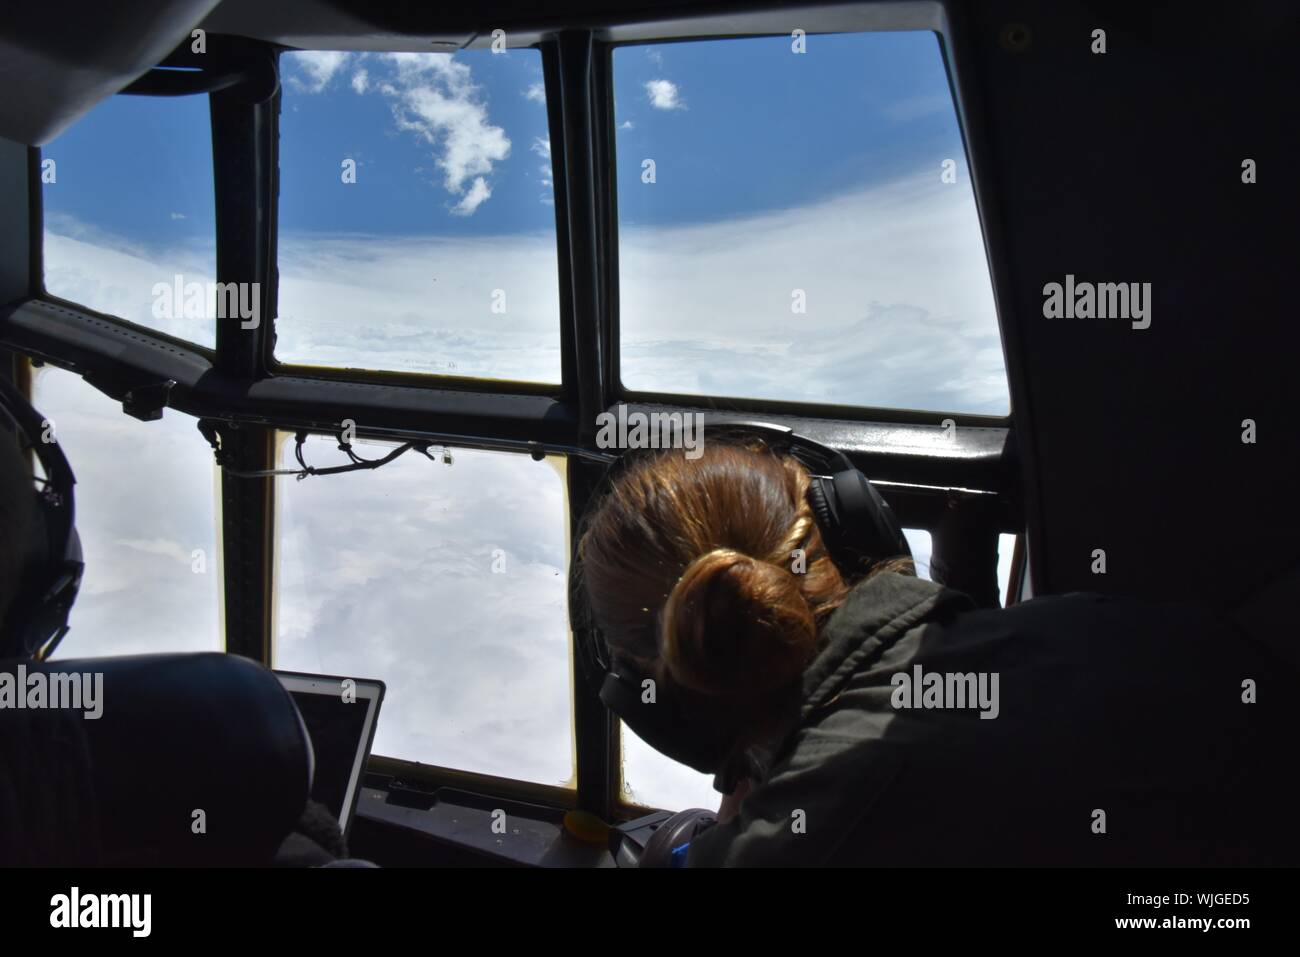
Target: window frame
420 773
38 269
607 130
567 333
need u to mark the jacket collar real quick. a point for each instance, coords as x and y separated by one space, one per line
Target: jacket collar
876 613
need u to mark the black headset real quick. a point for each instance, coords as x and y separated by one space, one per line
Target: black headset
37 619
856 523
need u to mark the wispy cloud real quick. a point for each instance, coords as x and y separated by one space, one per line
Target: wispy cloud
916 107
434 96
157 546
315 68
536 92
478 193
663 95
542 147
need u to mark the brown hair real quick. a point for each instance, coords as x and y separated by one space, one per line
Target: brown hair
693 564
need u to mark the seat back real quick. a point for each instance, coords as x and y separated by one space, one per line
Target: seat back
176 759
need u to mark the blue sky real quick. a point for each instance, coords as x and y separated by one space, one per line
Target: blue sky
399 189
759 127
776 173
137 168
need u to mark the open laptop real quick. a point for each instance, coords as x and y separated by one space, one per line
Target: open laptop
342 728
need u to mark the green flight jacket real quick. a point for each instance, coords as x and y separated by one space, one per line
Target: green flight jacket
1126 732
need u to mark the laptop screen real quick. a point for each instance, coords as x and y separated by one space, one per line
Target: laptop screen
341 728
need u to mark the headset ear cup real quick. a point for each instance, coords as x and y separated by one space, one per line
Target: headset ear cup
867 524
868 520
824 513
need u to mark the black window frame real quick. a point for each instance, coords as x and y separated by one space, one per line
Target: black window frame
274 366
607 135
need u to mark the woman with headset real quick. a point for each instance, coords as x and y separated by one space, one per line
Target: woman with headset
754 615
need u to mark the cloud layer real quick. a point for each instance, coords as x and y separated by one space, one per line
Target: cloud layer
146 501
448 583
899 306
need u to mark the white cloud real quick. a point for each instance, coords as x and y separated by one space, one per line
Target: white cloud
916 107
411 67
178 215
434 96
372 301
542 147
625 125
388 574
111 275
663 95
536 92
145 500
657 781
478 193
157 546
899 305
316 68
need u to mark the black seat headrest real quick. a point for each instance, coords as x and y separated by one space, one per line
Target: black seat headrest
193 759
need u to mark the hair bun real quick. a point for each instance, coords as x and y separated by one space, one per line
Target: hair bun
733 624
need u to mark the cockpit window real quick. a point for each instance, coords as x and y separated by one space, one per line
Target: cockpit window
417 222
796 222
130 226
147 514
445 579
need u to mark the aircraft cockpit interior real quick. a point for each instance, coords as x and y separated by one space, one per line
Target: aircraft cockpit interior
666 435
